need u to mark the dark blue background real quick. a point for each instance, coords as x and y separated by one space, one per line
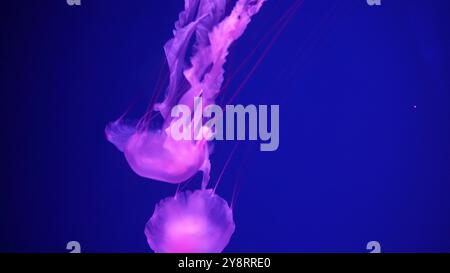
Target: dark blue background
357 162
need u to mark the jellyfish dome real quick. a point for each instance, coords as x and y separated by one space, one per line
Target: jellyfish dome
190 222
158 156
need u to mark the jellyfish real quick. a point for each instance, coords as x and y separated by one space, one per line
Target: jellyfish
198 221
154 154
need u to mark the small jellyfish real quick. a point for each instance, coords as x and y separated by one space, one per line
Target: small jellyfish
190 222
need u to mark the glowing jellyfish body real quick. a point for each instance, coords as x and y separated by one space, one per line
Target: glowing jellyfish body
198 221
193 222
162 158
154 154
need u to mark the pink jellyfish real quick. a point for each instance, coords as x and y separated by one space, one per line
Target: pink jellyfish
193 222
154 154
198 221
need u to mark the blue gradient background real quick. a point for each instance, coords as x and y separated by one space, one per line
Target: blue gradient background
357 162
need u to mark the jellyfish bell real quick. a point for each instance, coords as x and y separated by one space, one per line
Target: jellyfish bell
160 157
190 222
156 155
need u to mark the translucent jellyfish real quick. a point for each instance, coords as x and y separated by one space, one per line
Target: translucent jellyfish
198 221
158 156
155 154
192 222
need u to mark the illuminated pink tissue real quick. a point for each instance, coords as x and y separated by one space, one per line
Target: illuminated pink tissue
156 155
163 158
153 154
190 222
